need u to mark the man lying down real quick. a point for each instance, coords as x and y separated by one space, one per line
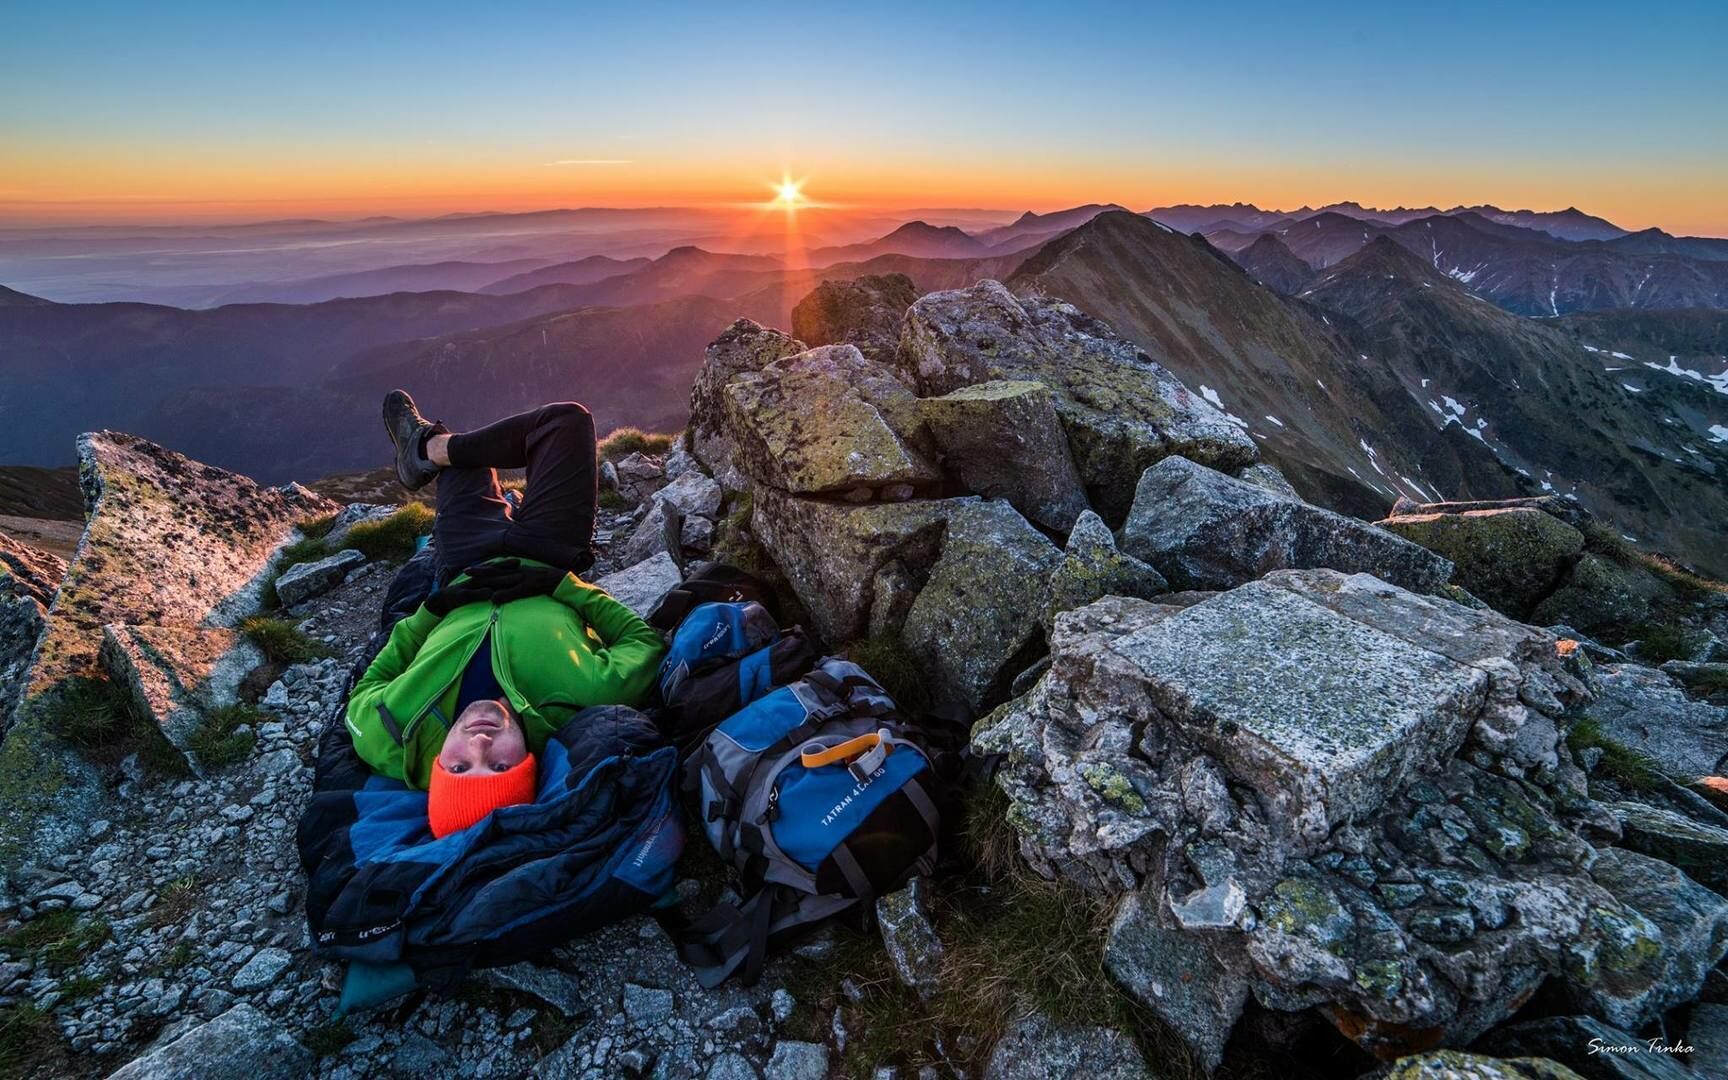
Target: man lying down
500 793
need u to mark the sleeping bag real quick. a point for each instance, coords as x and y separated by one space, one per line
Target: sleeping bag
598 844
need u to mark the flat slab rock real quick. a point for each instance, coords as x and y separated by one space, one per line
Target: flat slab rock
1323 790
1649 711
176 674
1037 1047
641 587
303 581
240 1044
1322 715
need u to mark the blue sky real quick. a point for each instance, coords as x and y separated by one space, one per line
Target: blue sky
1621 109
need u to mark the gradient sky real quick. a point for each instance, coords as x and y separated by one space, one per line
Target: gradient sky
202 110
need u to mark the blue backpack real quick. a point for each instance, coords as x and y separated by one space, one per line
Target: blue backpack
722 657
822 798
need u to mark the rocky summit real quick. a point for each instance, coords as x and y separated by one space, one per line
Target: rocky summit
1249 787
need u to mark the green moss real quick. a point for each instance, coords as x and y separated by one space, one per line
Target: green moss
624 441
1607 543
613 500
1381 978
1305 907
1620 763
394 538
218 742
1628 944
281 641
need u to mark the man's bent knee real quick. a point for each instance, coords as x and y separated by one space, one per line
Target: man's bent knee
564 412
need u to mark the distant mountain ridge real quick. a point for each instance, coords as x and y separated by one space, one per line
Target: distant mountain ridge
1385 376
1568 224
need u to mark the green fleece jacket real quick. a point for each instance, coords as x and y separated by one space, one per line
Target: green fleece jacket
552 655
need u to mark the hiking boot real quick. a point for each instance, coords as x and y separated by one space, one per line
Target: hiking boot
409 431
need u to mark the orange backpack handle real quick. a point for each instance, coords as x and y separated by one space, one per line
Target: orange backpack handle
834 755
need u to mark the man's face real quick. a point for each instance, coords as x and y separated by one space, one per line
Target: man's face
485 739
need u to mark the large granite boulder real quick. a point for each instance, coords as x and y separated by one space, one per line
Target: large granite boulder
1510 558
1567 508
1202 529
865 312
1005 441
981 605
170 543
833 552
1324 790
743 346
1121 410
826 421
961 582
240 1044
1601 596
28 581
1648 711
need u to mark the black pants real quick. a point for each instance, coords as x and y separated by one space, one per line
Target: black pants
555 524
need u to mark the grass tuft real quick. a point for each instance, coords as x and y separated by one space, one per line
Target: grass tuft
613 500
174 959
317 528
1660 642
103 723
894 666
1013 943
328 1038
1607 543
175 904
28 1039
393 538
283 642
82 986
625 441
59 939
218 742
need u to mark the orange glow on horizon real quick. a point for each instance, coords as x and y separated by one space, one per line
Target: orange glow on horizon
163 184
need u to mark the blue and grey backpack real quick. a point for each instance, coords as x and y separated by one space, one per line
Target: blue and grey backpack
822 798
722 657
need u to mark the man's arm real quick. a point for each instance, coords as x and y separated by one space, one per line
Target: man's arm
633 648
374 740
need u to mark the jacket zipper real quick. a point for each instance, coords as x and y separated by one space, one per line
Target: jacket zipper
432 705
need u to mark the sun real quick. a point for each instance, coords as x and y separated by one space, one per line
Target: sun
789 192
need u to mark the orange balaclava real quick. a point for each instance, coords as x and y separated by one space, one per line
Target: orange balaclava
458 800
